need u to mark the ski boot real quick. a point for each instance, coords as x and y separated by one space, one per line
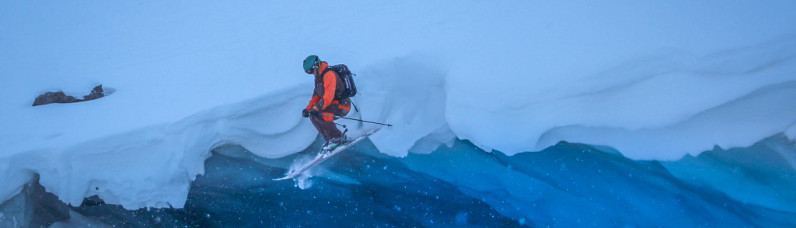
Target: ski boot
335 143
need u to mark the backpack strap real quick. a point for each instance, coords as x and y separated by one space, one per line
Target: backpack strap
329 68
355 105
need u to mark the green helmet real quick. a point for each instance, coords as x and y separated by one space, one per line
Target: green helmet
310 63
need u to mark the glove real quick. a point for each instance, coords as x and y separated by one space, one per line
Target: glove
305 113
315 113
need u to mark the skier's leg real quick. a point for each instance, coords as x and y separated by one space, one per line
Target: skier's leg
328 128
337 108
321 126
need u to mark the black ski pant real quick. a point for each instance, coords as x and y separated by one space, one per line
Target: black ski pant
325 123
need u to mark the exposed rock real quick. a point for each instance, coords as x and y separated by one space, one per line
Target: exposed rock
95 93
54 97
61 97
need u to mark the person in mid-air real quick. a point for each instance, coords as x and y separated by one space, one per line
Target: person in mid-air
326 102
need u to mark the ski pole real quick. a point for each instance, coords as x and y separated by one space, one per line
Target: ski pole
364 121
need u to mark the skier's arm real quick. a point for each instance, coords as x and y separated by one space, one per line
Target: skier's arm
329 88
313 101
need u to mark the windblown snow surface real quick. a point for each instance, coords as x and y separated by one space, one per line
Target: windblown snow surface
498 100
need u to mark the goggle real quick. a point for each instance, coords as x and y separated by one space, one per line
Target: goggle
312 69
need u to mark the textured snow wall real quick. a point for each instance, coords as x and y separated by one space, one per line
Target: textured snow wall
153 166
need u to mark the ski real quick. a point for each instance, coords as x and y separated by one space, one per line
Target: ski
323 155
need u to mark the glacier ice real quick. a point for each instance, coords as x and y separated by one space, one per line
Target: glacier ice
565 185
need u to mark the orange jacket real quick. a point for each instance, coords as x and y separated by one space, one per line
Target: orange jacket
325 88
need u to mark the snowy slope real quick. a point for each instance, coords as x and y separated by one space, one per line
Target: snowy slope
653 80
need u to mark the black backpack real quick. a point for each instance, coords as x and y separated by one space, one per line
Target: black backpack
345 75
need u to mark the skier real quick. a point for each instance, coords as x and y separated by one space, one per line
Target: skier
326 102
